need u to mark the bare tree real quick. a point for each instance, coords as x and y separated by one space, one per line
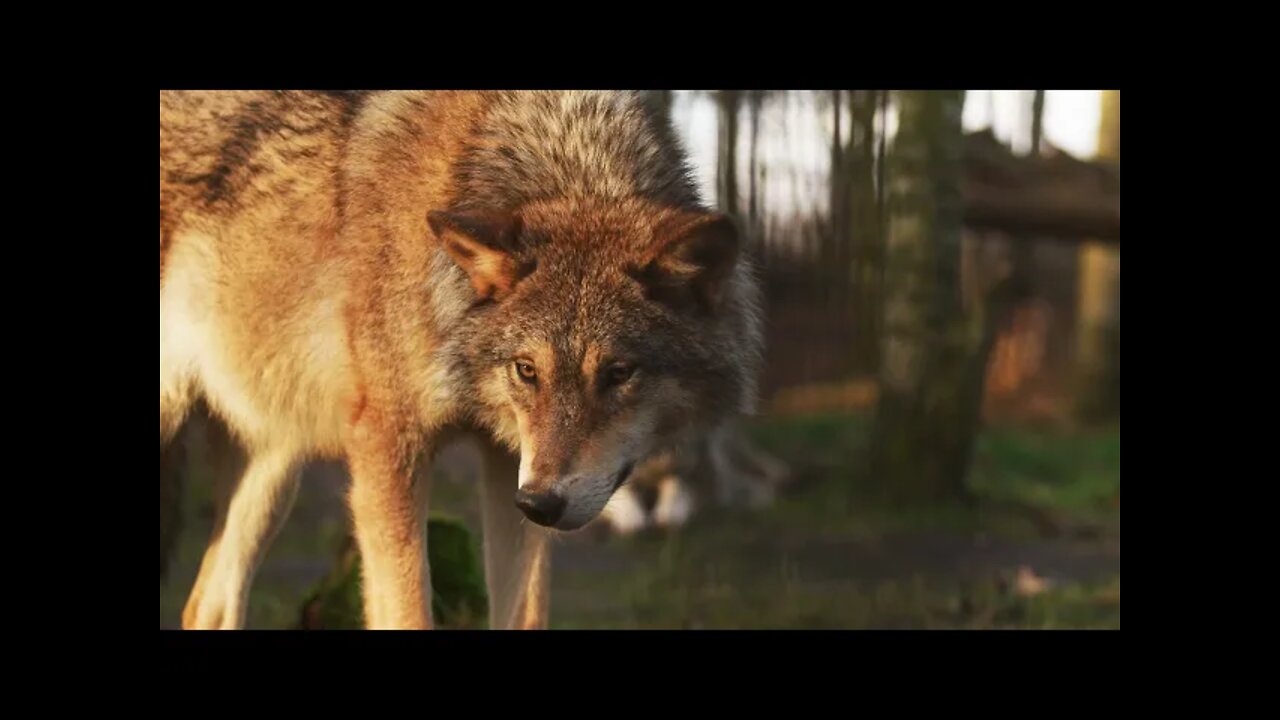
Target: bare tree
755 103
838 204
1037 120
1021 252
865 225
660 101
933 354
1098 334
728 103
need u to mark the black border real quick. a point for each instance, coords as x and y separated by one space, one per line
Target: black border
426 652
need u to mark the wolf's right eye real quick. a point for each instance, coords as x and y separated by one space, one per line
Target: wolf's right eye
618 374
526 371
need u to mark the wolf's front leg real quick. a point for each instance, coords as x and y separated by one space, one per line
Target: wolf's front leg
517 555
388 504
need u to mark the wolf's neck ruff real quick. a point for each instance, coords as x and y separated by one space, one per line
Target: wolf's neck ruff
531 146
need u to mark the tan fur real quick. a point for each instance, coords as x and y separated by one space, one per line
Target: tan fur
515 550
320 274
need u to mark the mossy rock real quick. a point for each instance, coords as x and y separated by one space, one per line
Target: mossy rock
457 579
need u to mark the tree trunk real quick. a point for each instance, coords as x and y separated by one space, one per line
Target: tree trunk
1021 252
1098 320
727 164
1037 121
753 193
882 212
934 357
659 101
864 226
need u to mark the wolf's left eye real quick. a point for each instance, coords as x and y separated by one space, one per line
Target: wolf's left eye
526 371
618 374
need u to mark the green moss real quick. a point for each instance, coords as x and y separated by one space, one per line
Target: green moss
457 580
457 575
335 604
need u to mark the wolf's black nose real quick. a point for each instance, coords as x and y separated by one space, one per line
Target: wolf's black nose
544 508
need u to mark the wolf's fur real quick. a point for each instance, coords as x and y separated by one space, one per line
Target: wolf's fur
364 275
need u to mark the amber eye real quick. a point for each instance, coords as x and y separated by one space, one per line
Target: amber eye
618 374
526 371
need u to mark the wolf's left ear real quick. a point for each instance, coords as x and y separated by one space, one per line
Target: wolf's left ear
484 246
692 260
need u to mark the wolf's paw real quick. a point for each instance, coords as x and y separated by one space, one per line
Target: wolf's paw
675 503
625 514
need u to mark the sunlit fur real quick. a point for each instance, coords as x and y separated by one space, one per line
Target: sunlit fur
308 299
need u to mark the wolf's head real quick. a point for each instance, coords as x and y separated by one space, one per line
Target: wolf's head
604 331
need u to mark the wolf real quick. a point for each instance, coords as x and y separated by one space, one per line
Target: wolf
367 276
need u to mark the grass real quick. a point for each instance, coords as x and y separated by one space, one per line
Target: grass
829 554
1076 473
655 600
826 555
1074 476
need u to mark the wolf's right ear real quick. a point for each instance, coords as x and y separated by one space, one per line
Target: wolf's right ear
693 257
484 246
